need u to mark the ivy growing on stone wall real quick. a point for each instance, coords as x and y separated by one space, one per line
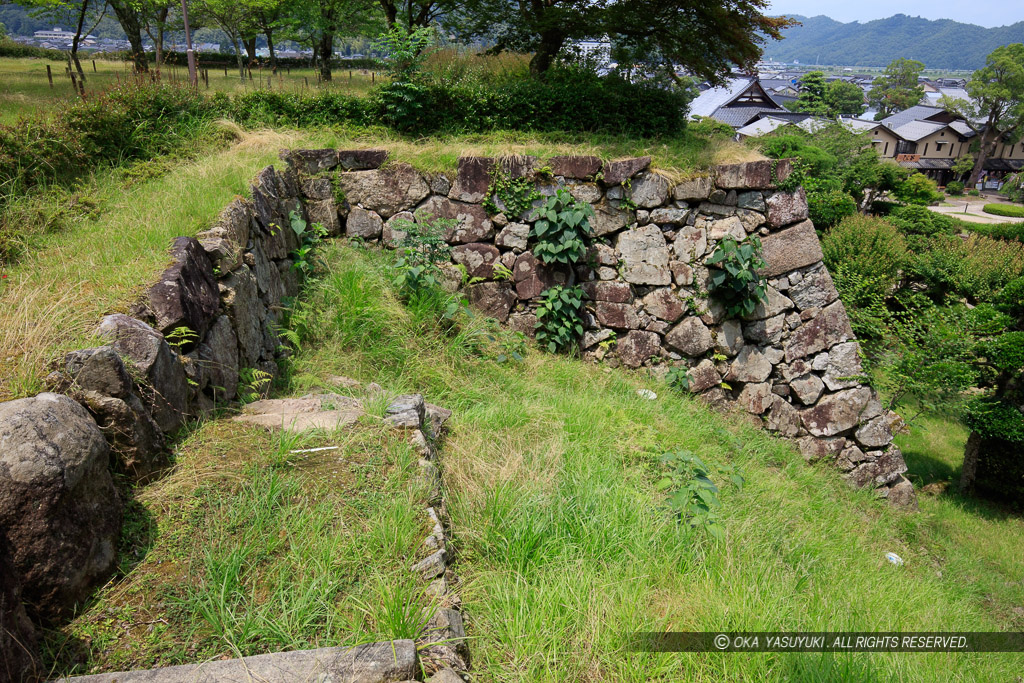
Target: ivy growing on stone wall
735 280
515 194
558 317
561 230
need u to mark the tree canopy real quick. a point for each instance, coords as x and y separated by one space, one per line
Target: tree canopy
995 109
896 89
705 38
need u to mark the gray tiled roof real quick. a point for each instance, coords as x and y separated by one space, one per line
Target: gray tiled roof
916 112
915 130
706 103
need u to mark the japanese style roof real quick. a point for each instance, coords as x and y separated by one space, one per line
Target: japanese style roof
915 130
928 164
762 126
737 103
918 112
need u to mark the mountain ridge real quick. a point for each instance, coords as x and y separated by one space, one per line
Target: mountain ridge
939 43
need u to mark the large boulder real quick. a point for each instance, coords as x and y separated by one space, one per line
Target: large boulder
156 368
645 256
471 223
219 355
19 660
478 259
493 299
246 311
836 413
790 249
385 191
59 509
186 294
787 207
581 167
533 277
830 327
648 190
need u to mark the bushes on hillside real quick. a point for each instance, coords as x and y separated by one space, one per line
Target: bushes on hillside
869 247
999 231
826 209
127 122
975 268
915 219
955 188
567 100
917 188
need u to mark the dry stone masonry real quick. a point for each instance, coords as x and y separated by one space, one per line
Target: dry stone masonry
212 315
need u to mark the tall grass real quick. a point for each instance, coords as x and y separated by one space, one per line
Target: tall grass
565 548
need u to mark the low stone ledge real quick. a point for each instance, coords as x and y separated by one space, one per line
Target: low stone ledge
384 662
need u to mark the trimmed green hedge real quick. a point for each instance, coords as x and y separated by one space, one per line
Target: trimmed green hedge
1011 210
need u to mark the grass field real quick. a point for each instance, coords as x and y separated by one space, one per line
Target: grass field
562 542
25 90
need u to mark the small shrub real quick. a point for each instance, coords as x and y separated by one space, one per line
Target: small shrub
974 192
919 220
869 248
734 277
918 188
1009 210
558 318
1000 428
692 495
999 231
826 209
955 188
516 194
422 252
1013 187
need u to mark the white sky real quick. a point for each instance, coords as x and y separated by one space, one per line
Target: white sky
982 12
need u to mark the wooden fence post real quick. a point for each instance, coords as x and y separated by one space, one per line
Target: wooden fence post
49 75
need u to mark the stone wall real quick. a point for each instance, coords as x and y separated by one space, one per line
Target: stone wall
793 364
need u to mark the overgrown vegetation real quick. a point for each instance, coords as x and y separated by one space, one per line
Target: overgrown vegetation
735 280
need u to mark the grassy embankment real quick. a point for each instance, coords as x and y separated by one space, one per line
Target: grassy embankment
562 542
25 90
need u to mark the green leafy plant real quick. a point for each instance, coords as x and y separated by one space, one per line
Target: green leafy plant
561 229
501 272
310 236
558 317
511 346
955 188
516 194
181 337
691 493
735 280
422 251
678 378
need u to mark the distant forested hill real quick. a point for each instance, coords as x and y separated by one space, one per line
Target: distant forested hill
942 44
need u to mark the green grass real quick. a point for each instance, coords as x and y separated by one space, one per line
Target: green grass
1009 210
566 548
562 544
245 548
25 91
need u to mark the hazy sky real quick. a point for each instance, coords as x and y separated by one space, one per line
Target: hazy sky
981 12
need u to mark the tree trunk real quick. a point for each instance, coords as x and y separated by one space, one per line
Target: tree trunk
74 46
326 52
550 43
986 146
238 56
270 47
970 469
158 39
129 20
250 48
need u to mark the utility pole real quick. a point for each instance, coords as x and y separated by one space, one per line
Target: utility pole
188 46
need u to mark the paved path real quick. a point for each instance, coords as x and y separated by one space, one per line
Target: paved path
969 209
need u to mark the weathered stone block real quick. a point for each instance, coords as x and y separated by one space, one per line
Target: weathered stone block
477 258
664 304
790 249
648 190
695 189
637 347
363 223
581 167
186 294
473 224
836 413
830 327
645 256
616 292
472 179
616 171
385 191
785 208
59 509
691 337
751 365
619 316
361 159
